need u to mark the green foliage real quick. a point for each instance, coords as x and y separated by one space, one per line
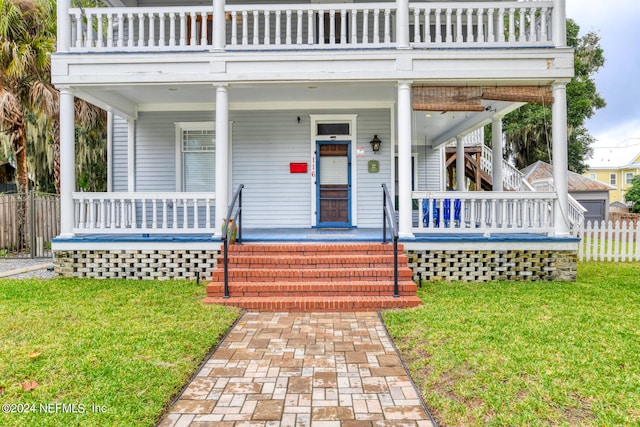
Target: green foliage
527 354
633 195
129 346
91 158
528 129
30 118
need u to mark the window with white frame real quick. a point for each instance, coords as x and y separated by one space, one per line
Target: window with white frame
197 160
592 176
613 179
628 178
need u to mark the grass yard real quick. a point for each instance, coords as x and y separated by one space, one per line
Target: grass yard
528 354
126 347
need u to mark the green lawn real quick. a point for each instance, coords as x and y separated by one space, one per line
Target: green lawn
126 347
528 354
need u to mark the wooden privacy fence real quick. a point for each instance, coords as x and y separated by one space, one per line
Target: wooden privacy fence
27 225
609 241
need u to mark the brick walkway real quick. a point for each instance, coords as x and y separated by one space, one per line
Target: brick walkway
302 369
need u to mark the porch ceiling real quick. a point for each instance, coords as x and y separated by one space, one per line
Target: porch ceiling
430 127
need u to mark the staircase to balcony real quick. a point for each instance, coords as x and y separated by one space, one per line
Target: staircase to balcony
313 277
479 165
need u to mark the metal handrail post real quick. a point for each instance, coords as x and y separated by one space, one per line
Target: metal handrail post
240 217
384 217
396 292
226 267
225 233
388 215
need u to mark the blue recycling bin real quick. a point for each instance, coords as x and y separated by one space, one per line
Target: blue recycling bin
446 214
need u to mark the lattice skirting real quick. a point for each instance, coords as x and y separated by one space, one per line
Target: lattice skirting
485 265
136 264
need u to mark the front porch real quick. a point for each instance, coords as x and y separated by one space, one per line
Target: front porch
433 255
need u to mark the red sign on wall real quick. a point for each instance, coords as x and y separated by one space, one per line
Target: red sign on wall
298 167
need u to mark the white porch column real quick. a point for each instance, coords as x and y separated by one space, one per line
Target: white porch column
560 23
109 151
497 178
222 154
402 24
219 24
460 164
64 25
560 158
131 155
67 163
404 160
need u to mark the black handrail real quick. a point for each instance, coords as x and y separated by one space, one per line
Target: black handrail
389 215
229 223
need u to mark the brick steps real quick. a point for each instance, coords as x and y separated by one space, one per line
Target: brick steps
308 303
318 261
363 288
330 274
313 277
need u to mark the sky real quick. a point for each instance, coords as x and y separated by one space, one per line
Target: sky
617 23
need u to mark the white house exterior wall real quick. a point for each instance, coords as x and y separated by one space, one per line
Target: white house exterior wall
264 143
119 157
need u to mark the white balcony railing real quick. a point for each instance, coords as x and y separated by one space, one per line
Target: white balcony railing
485 212
290 26
146 213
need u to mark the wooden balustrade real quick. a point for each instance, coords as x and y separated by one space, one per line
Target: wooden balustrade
337 25
484 212
144 213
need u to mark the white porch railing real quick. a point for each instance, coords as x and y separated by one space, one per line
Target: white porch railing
146 213
336 25
576 212
450 24
484 212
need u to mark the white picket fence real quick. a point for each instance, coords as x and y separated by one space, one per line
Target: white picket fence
608 241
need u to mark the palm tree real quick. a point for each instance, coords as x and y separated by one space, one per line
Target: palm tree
27 37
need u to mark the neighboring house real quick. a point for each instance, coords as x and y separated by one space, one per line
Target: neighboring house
592 195
7 177
616 166
312 106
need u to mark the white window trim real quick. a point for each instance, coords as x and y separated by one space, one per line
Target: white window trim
615 178
627 181
180 128
335 118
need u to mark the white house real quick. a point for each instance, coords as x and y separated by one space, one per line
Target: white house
288 98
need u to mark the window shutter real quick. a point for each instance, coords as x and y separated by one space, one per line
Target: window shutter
199 160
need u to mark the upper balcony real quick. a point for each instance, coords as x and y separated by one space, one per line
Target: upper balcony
314 27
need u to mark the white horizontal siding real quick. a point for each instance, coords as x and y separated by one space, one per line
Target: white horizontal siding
264 144
119 155
156 148
370 123
429 168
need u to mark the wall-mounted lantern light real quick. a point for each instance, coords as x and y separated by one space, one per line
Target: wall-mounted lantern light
375 143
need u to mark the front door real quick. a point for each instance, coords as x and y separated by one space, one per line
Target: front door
334 184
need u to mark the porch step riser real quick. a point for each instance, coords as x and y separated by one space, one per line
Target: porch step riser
319 261
305 249
310 289
288 275
301 304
